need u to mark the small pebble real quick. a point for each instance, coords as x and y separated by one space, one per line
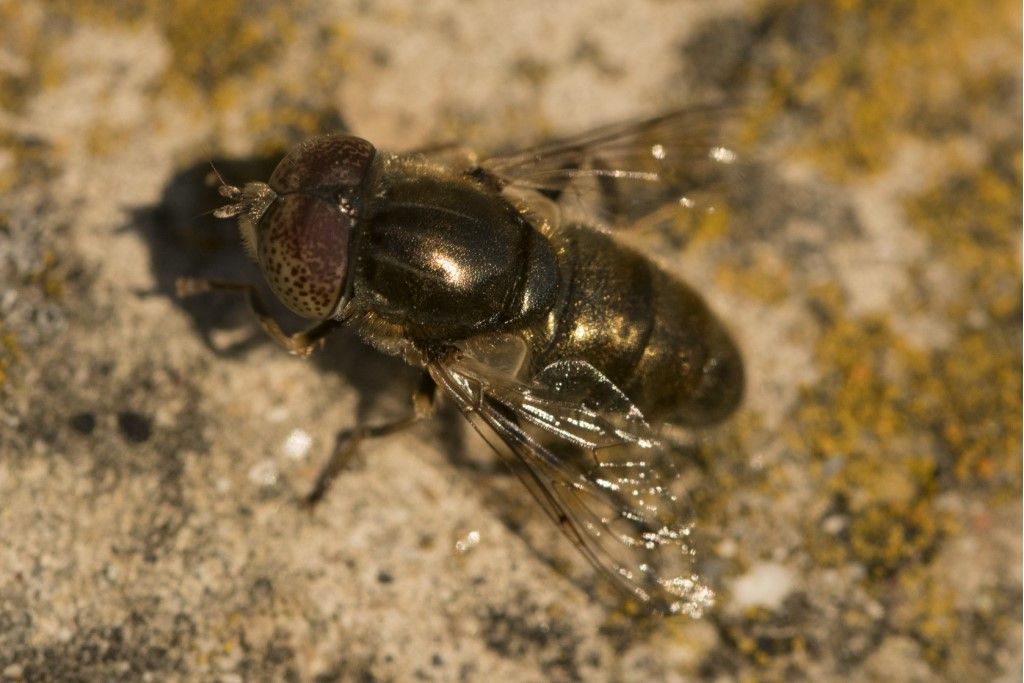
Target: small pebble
297 445
263 473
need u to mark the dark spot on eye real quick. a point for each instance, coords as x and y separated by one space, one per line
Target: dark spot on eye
83 423
135 427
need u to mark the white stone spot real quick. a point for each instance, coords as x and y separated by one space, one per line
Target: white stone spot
468 542
297 444
263 473
765 585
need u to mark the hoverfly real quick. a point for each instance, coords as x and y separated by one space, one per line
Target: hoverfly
566 350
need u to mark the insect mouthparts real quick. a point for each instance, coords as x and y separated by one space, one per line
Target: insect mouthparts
250 203
229 210
255 196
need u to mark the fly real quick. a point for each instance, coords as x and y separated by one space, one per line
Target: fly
566 350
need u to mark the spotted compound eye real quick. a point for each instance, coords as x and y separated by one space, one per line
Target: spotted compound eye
304 236
323 163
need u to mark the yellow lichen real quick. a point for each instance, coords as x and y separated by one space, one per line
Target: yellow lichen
888 71
927 611
764 279
23 35
213 46
885 538
972 222
10 353
707 226
905 424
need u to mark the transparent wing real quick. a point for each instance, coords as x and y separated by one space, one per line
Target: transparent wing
626 171
592 462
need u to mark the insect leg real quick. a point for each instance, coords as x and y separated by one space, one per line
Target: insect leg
424 399
300 343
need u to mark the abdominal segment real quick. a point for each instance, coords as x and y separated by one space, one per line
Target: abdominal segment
649 333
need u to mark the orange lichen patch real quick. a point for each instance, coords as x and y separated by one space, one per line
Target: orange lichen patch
972 222
907 424
210 42
49 276
212 45
926 611
708 225
104 139
887 538
30 63
897 427
877 73
983 376
861 400
765 636
32 161
23 33
10 353
763 279
249 36
926 608
884 398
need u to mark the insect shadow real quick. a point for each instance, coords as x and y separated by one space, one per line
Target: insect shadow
184 238
576 440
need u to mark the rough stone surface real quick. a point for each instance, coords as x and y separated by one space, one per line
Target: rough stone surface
868 260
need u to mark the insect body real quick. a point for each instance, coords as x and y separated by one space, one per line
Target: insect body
560 345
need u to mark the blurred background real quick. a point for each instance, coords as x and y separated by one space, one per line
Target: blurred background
866 500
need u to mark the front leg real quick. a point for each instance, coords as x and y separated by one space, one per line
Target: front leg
301 343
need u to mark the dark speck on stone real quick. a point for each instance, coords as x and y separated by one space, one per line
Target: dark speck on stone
83 423
135 427
385 577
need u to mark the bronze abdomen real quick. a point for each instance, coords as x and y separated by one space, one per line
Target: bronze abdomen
651 334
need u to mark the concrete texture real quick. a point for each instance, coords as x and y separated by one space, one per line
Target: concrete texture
866 500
